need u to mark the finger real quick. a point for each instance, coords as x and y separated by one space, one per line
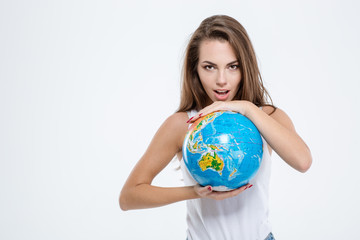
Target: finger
198 116
203 191
201 114
193 119
238 190
206 189
248 186
214 107
242 188
229 194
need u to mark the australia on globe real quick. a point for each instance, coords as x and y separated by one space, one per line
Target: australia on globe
223 149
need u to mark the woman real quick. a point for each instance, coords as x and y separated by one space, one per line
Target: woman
220 73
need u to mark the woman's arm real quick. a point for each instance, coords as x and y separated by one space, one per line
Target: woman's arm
138 191
277 129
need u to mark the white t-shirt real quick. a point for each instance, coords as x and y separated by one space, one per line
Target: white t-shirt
243 217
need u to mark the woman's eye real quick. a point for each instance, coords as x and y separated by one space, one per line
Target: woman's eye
209 67
234 67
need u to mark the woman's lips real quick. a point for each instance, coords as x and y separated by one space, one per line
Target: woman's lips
221 95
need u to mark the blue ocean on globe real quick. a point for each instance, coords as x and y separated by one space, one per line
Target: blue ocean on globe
223 149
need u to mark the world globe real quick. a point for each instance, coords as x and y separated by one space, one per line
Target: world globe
223 149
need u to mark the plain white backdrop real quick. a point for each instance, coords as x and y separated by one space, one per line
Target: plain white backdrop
84 85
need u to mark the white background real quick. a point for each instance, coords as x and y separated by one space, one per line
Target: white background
84 85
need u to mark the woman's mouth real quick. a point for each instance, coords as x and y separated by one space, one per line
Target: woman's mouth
221 95
222 92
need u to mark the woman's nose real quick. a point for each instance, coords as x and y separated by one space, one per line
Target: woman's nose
221 79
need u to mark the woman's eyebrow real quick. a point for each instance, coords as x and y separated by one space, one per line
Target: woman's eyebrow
211 63
208 62
233 62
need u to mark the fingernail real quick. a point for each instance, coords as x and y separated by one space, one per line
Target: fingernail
250 186
189 120
209 188
200 114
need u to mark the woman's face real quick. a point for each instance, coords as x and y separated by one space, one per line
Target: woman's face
218 70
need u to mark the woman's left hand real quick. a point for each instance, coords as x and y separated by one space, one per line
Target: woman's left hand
239 106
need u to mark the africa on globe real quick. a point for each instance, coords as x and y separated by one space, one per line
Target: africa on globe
223 149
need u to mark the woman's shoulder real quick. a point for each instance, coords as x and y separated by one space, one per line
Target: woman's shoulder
279 115
178 118
176 122
176 125
269 109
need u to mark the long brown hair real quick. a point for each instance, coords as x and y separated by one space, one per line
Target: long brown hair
221 27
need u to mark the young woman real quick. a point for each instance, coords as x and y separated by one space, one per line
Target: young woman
220 73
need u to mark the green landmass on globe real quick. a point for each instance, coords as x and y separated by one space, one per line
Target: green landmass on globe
211 160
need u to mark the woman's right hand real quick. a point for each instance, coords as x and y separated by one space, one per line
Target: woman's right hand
207 192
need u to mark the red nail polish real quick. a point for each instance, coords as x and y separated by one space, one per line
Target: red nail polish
209 188
250 186
189 120
200 114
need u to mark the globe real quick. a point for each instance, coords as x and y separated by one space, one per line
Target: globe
223 149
